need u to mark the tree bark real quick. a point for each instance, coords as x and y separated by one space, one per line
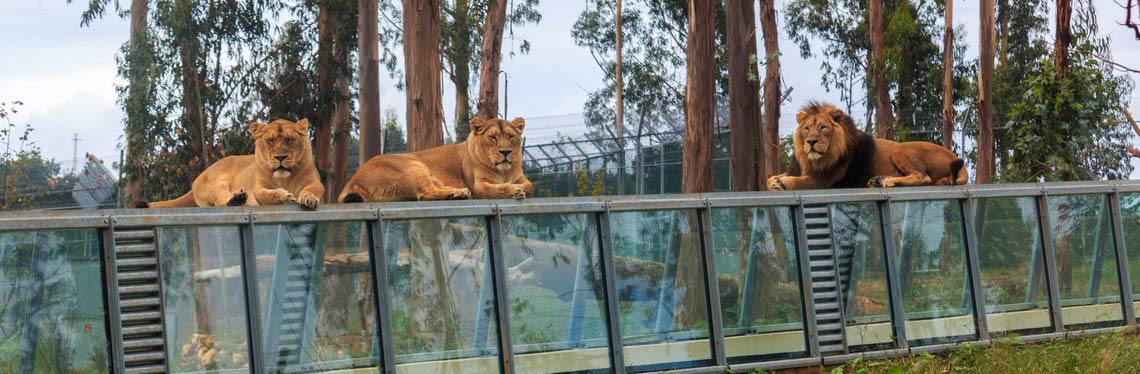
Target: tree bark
1063 36
884 121
326 87
985 167
948 78
492 56
422 68
340 141
770 133
461 70
743 97
369 70
193 120
697 162
136 92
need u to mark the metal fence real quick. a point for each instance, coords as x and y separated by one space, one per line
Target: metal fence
697 283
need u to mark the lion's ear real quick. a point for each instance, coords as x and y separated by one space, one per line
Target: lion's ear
255 128
837 116
303 125
478 125
518 123
801 117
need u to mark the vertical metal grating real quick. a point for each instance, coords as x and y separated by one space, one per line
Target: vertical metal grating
827 272
140 300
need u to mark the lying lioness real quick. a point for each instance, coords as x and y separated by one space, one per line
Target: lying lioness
486 166
280 171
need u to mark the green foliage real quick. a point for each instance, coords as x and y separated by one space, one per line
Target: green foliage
27 180
1068 127
394 139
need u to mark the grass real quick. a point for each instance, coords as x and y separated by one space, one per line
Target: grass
1110 353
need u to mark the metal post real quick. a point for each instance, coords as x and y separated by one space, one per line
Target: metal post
894 289
380 295
252 307
613 315
1102 230
751 274
1050 262
114 320
1121 258
973 267
499 283
712 287
808 301
582 289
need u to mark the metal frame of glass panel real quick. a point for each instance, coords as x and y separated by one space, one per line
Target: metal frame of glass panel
372 215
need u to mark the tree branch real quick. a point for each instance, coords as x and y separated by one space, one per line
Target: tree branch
1135 128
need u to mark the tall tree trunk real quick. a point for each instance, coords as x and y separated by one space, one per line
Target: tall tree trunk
985 168
770 134
461 76
948 77
619 103
884 121
340 140
1063 36
193 121
422 68
743 96
369 71
136 101
326 88
492 56
697 162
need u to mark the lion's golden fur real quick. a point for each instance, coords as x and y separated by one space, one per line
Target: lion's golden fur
280 171
486 166
829 151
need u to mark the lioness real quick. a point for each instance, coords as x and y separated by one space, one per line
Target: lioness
280 171
486 166
829 151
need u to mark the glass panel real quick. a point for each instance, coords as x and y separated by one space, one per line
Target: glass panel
932 271
443 308
866 303
1130 212
661 289
1013 271
204 299
51 303
555 283
1086 264
315 289
756 258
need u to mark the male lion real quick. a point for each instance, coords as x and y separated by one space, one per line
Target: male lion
829 151
486 166
280 171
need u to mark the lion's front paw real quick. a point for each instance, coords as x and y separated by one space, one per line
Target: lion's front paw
461 194
775 184
309 200
879 181
518 193
239 198
283 196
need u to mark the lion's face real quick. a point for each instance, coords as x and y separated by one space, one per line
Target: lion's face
496 142
281 146
820 135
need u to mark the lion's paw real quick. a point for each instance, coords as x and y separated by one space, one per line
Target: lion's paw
461 194
878 181
239 198
775 184
309 200
518 193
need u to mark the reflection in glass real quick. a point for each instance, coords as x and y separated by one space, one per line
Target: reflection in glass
1010 255
204 299
51 303
555 284
661 289
315 288
930 254
443 309
1086 263
756 255
1130 212
866 303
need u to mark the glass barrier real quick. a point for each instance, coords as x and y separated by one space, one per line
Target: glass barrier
660 283
761 302
51 303
1011 257
442 299
315 287
858 241
555 283
1086 262
204 299
930 253
1130 219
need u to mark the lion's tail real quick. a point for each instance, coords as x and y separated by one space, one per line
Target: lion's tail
958 172
349 195
184 201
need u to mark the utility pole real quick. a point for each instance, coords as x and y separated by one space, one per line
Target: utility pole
74 153
619 104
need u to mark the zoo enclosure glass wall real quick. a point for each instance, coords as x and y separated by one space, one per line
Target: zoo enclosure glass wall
706 282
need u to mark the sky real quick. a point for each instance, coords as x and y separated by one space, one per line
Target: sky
66 75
